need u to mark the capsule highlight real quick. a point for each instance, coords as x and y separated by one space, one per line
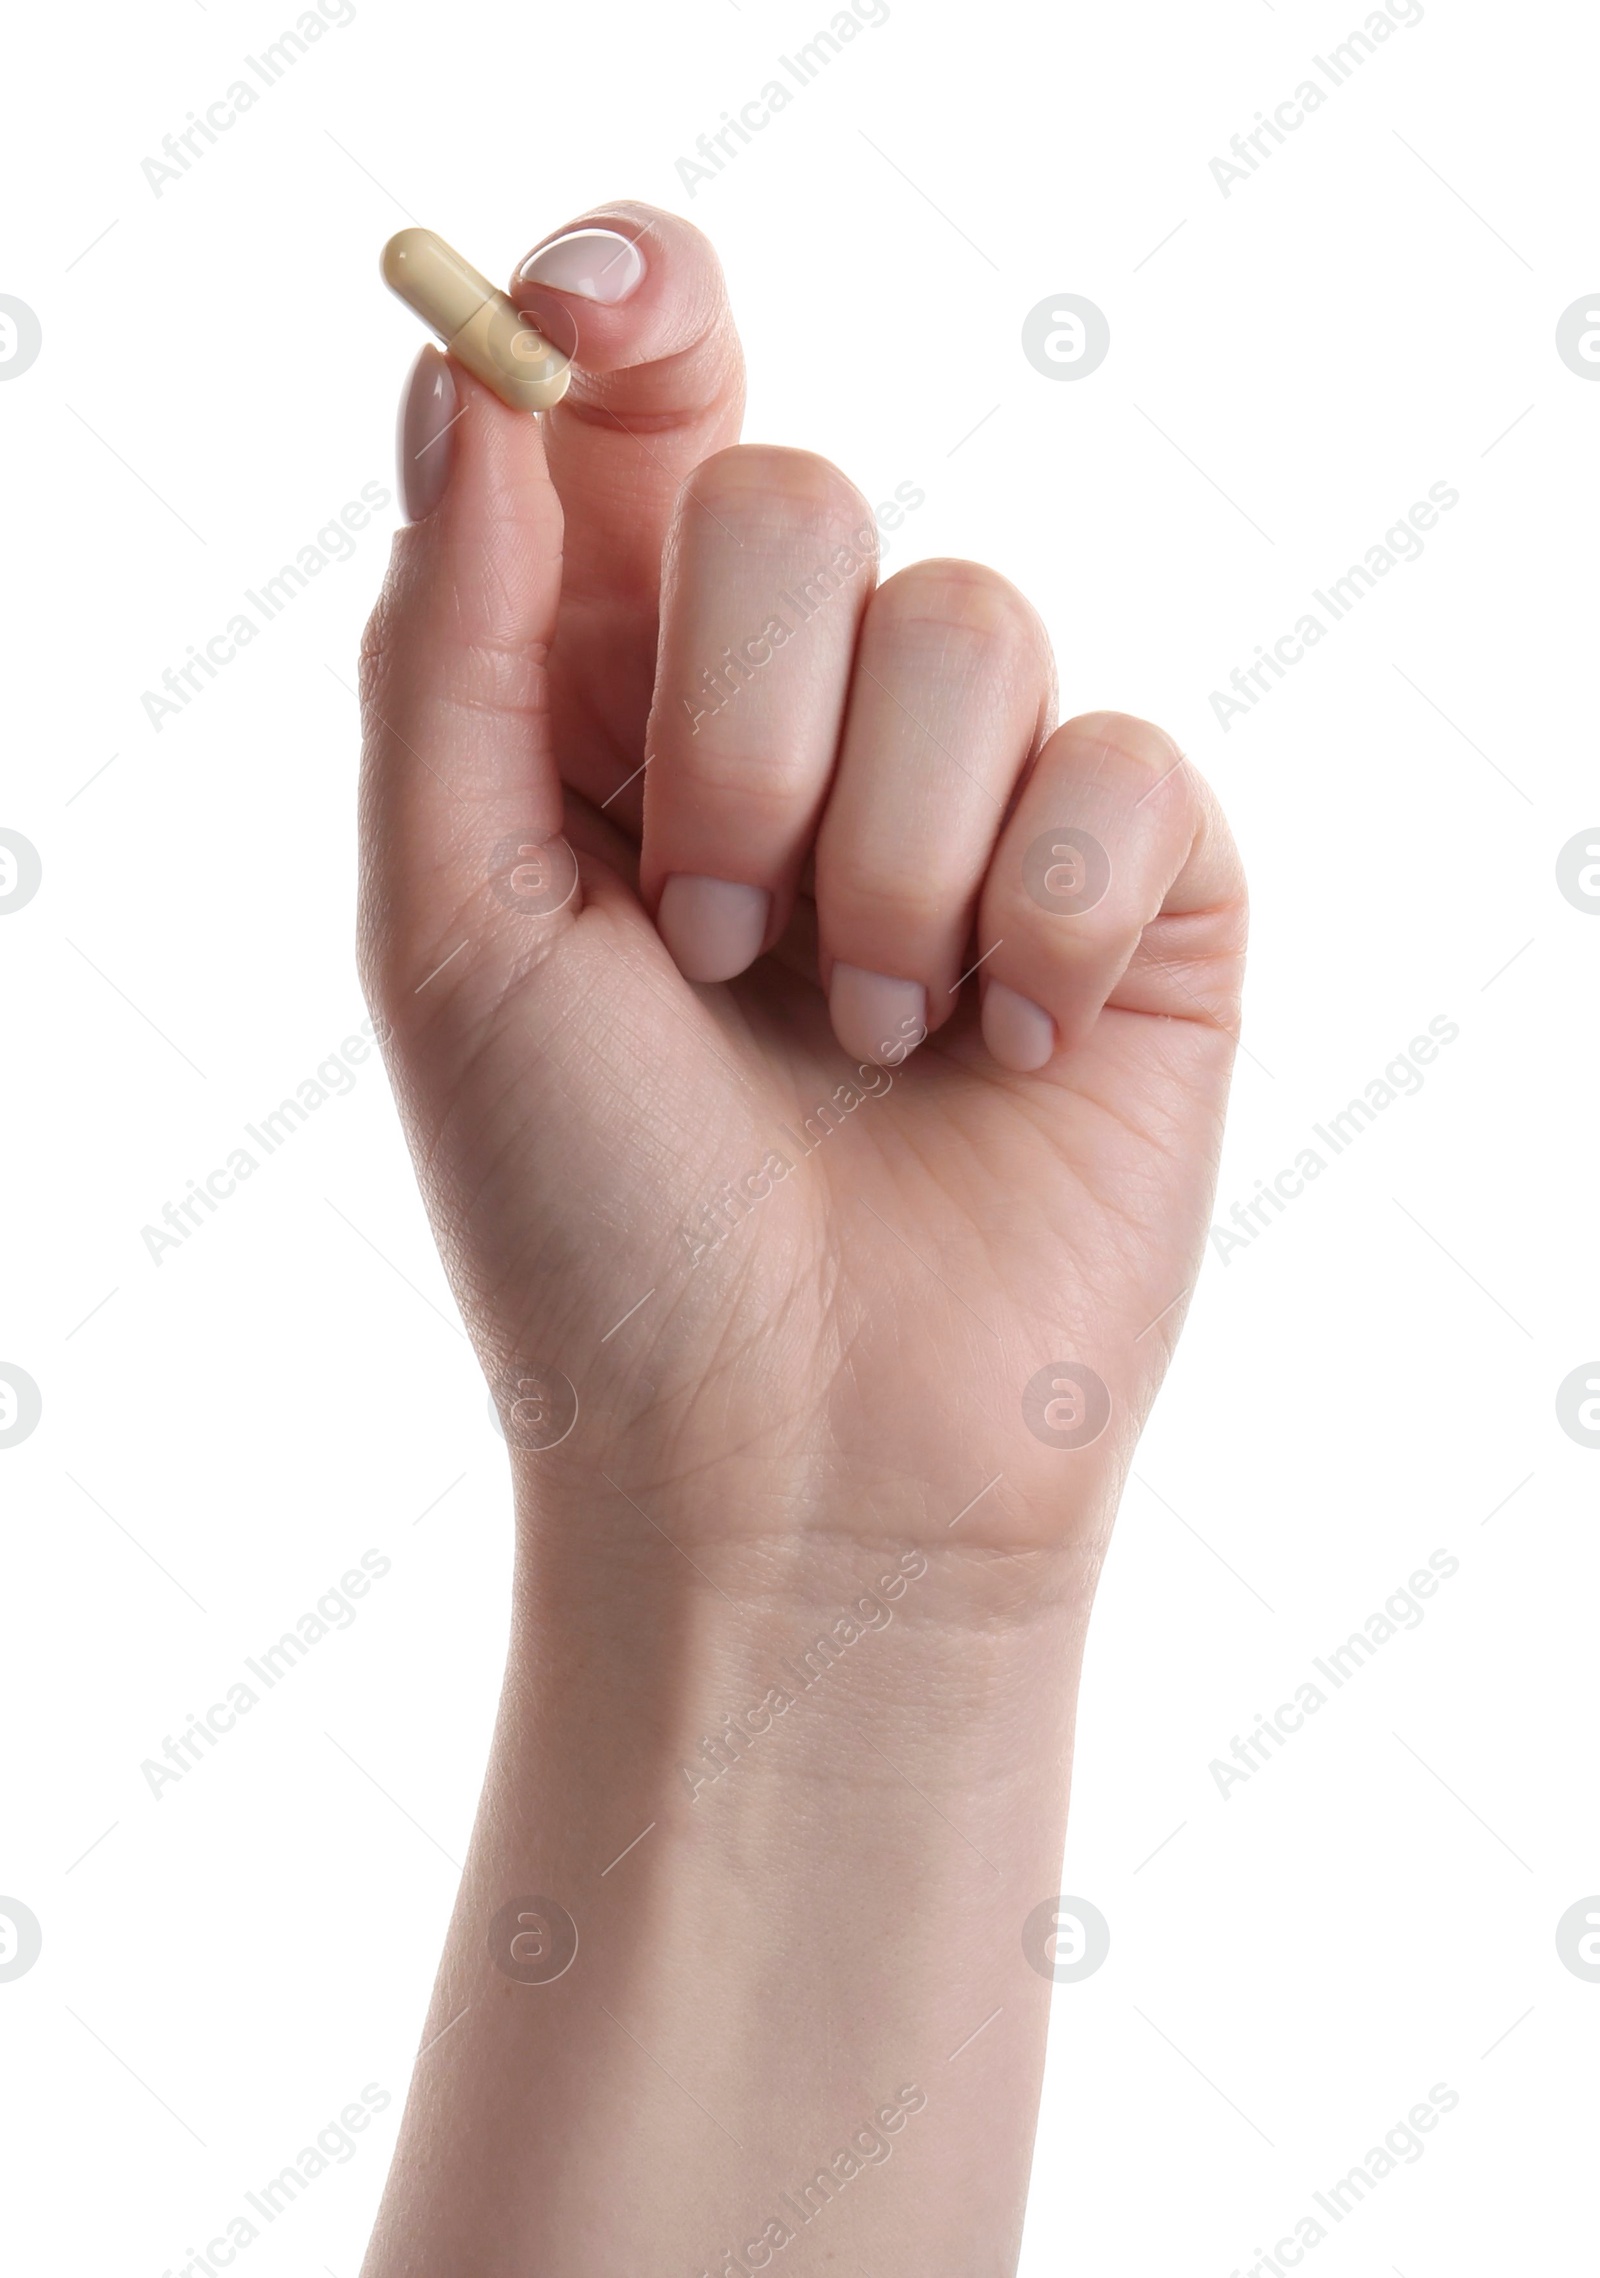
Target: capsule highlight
478 324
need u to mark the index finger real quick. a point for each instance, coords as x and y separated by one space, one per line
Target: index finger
636 297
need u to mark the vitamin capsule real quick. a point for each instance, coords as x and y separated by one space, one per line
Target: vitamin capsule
476 323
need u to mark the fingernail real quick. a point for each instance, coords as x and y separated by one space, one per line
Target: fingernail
425 442
597 264
714 927
876 1017
1020 1034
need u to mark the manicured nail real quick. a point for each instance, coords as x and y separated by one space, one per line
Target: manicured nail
1020 1034
714 927
597 264
425 443
876 1017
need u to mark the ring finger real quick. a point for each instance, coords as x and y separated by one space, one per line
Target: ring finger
951 695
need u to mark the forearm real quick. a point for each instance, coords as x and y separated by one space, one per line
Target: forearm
799 1949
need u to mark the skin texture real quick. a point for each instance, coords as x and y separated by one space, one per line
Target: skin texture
798 1391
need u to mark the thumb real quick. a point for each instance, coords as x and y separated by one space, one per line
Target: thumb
460 790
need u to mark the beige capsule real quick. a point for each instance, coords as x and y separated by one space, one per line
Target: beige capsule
476 323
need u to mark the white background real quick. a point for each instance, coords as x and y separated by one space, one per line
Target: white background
1371 1380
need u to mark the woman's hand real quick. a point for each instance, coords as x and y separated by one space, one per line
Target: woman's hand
820 1306
865 1265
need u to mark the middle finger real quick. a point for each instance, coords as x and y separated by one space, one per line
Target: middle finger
768 566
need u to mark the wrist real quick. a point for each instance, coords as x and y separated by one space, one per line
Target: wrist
787 1939
862 1701
762 1773
907 1625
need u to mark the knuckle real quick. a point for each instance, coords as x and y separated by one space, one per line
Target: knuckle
1070 951
762 483
377 645
378 970
1061 889
763 785
960 597
499 679
1137 744
378 990
893 894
